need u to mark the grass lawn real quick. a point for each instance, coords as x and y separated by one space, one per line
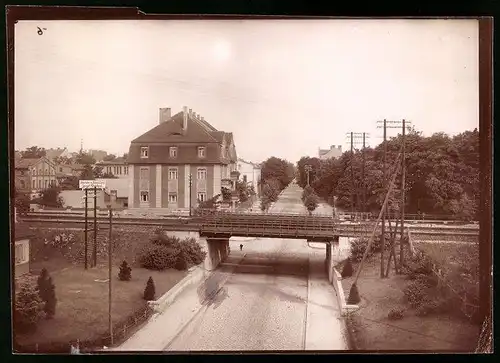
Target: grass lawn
372 330
82 301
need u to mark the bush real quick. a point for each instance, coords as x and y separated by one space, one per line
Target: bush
157 257
347 270
28 308
150 290
419 264
311 202
433 307
181 263
396 314
358 247
416 293
125 273
47 293
193 252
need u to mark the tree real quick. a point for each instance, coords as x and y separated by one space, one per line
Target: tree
50 299
150 290
50 198
84 158
69 183
242 190
21 202
62 160
28 308
91 172
311 202
279 169
109 157
33 152
181 263
125 273
125 156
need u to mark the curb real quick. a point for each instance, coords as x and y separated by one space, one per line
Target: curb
195 275
345 308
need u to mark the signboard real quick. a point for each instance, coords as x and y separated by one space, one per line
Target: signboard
91 184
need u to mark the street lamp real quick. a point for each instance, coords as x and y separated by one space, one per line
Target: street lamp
308 169
190 192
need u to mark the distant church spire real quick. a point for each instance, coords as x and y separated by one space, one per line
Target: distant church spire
81 145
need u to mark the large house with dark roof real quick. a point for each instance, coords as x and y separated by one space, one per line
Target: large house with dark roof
33 175
162 160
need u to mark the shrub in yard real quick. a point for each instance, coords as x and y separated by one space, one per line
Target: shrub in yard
161 239
347 270
46 291
193 253
396 314
358 247
181 263
416 293
157 257
419 264
427 280
433 307
51 300
125 273
150 290
28 308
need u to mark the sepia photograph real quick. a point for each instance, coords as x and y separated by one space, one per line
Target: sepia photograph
247 185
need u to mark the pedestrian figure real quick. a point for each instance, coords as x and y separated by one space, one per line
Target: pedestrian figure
75 348
241 247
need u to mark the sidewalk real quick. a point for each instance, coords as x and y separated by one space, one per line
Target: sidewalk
325 328
164 327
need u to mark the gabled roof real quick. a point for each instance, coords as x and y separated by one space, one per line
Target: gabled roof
120 160
171 131
25 163
54 153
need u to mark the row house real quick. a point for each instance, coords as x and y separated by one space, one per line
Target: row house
33 175
183 158
117 167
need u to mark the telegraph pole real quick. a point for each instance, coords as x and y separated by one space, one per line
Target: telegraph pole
396 125
385 209
86 229
190 192
355 138
110 269
403 175
94 254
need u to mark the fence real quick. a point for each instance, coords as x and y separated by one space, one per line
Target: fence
120 331
467 307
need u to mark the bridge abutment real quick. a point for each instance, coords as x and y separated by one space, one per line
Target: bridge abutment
329 261
217 251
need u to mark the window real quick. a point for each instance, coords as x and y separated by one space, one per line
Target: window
244 179
172 197
173 152
40 172
119 170
34 184
46 171
46 184
144 152
60 169
144 196
201 152
22 184
39 184
202 197
20 255
172 174
125 170
202 173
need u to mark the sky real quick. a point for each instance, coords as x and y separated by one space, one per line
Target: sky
284 88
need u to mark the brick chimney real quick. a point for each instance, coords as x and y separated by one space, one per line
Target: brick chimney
184 118
165 114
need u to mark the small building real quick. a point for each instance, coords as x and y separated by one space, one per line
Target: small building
22 236
75 199
117 167
333 152
249 173
34 175
118 190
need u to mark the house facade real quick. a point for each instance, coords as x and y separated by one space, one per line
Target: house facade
178 163
249 172
22 235
34 175
333 152
117 167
